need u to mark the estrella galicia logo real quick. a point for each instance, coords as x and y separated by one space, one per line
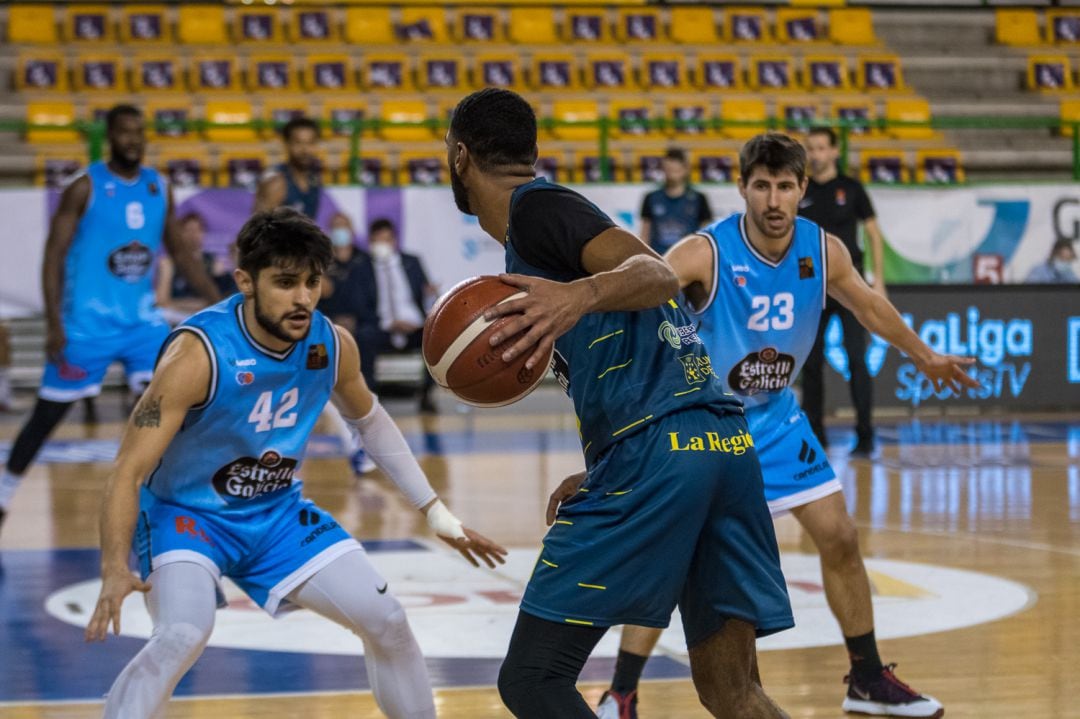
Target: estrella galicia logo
766 370
247 477
131 262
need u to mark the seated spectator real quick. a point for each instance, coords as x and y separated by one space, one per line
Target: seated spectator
348 290
1059 268
176 297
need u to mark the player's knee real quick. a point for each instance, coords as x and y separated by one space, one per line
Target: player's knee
388 628
179 643
516 684
841 545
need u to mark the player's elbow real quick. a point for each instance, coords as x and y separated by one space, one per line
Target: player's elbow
667 282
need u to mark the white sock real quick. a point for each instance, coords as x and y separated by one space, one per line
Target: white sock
8 484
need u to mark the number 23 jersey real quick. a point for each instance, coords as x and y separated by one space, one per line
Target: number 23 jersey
760 322
238 452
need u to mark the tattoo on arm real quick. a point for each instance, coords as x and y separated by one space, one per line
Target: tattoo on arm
148 413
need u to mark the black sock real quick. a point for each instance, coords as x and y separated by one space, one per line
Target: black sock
627 672
862 650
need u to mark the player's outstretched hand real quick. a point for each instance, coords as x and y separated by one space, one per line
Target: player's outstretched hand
949 371
475 545
545 313
114 588
567 489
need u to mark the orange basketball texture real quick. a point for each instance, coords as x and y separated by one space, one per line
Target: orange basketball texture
457 348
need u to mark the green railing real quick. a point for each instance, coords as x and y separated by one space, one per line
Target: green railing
94 132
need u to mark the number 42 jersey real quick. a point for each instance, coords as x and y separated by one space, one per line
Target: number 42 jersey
760 322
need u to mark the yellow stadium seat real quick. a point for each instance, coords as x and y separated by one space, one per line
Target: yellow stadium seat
444 112
41 71
746 110
55 167
479 24
256 25
1051 73
585 25
707 166
827 73
327 73
100 73
167 118
422 24
272 73
422 168
201 24
88 23
279 110
1063 26
1016 26
229 112
773 72
386 72
32 24
663 71
369 26
51 113
588 167
498 70
797 25
858 111
887 167
631 118
553 72
798 113
646 166
405 111
908 110
746 24
938 167
608 71
242 168
445 71
313 24
552 167
688 117
718 72
851 26
219 72
338 114
373 169
533 26
144 24
189 167
639 24
879 72
575 111
692 25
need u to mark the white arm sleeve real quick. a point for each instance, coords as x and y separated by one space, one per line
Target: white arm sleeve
385 444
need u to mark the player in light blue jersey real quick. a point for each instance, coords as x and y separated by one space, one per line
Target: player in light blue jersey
99 302
758 282
205 481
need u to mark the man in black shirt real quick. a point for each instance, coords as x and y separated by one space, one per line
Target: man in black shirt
839 203
675 210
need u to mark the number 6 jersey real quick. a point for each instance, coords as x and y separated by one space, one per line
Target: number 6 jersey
761 319
238 451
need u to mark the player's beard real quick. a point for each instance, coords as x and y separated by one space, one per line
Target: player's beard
461 195
275 329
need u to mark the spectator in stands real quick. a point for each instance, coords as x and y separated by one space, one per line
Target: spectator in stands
5 369
175 295
348 289
294 183
839 204
675 210
1059 268
403 296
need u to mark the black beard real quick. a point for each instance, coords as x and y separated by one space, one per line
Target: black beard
123 164
461 195
274 328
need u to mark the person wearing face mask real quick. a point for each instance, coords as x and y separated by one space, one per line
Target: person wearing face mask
1059 268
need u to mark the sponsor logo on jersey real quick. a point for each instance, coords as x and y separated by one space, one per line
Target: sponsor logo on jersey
697 369
561 369
248 477
245 363
841 196
317 358
131 262
806 268
245 378
736 444
677 336
764 371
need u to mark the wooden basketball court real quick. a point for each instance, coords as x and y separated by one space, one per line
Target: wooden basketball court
946 498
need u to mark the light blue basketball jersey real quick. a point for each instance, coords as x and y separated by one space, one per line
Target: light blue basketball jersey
107 281
237 453
761 320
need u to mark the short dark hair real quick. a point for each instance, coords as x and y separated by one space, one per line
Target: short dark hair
116 112
775 152
676 153
381 224
498 126
298 123
191 217
1062 243
282 237
823 130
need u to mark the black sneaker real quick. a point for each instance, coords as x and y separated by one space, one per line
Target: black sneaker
863 449
886 695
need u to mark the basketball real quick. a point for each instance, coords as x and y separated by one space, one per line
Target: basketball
457 351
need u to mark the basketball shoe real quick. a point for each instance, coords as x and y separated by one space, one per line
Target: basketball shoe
886 695
617 706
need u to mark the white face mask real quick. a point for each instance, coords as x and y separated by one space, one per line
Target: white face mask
341 237
382 250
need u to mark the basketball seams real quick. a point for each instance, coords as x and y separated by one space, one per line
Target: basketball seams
440 369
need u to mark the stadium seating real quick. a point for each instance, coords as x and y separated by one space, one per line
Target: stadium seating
386 72
229 111
639 25
201 24
772 72
856 110
588 167
255 25
144 24
553 168
1069 112
369 26
630 118
553 72
1063 26
938 167
50 112
797 25
586 25
339 111
278 110
479 25
498 70
825 73
646 167
41 71
242 168
100 73
422 25
54 167
373 169
156 72
663 72
575 111
1051 73
166 119
718 72
745 110
88 24
1016 26
879 73
908 110
608 71
533 26
313 25
271 74
688 117
32 24
214 72
713 167
329 73
852 26
189 167
404 111
445 71
746 24
883 166
797 113
692 25
421 168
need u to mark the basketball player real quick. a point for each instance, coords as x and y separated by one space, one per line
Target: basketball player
661 519
204 479
99 301
758 281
